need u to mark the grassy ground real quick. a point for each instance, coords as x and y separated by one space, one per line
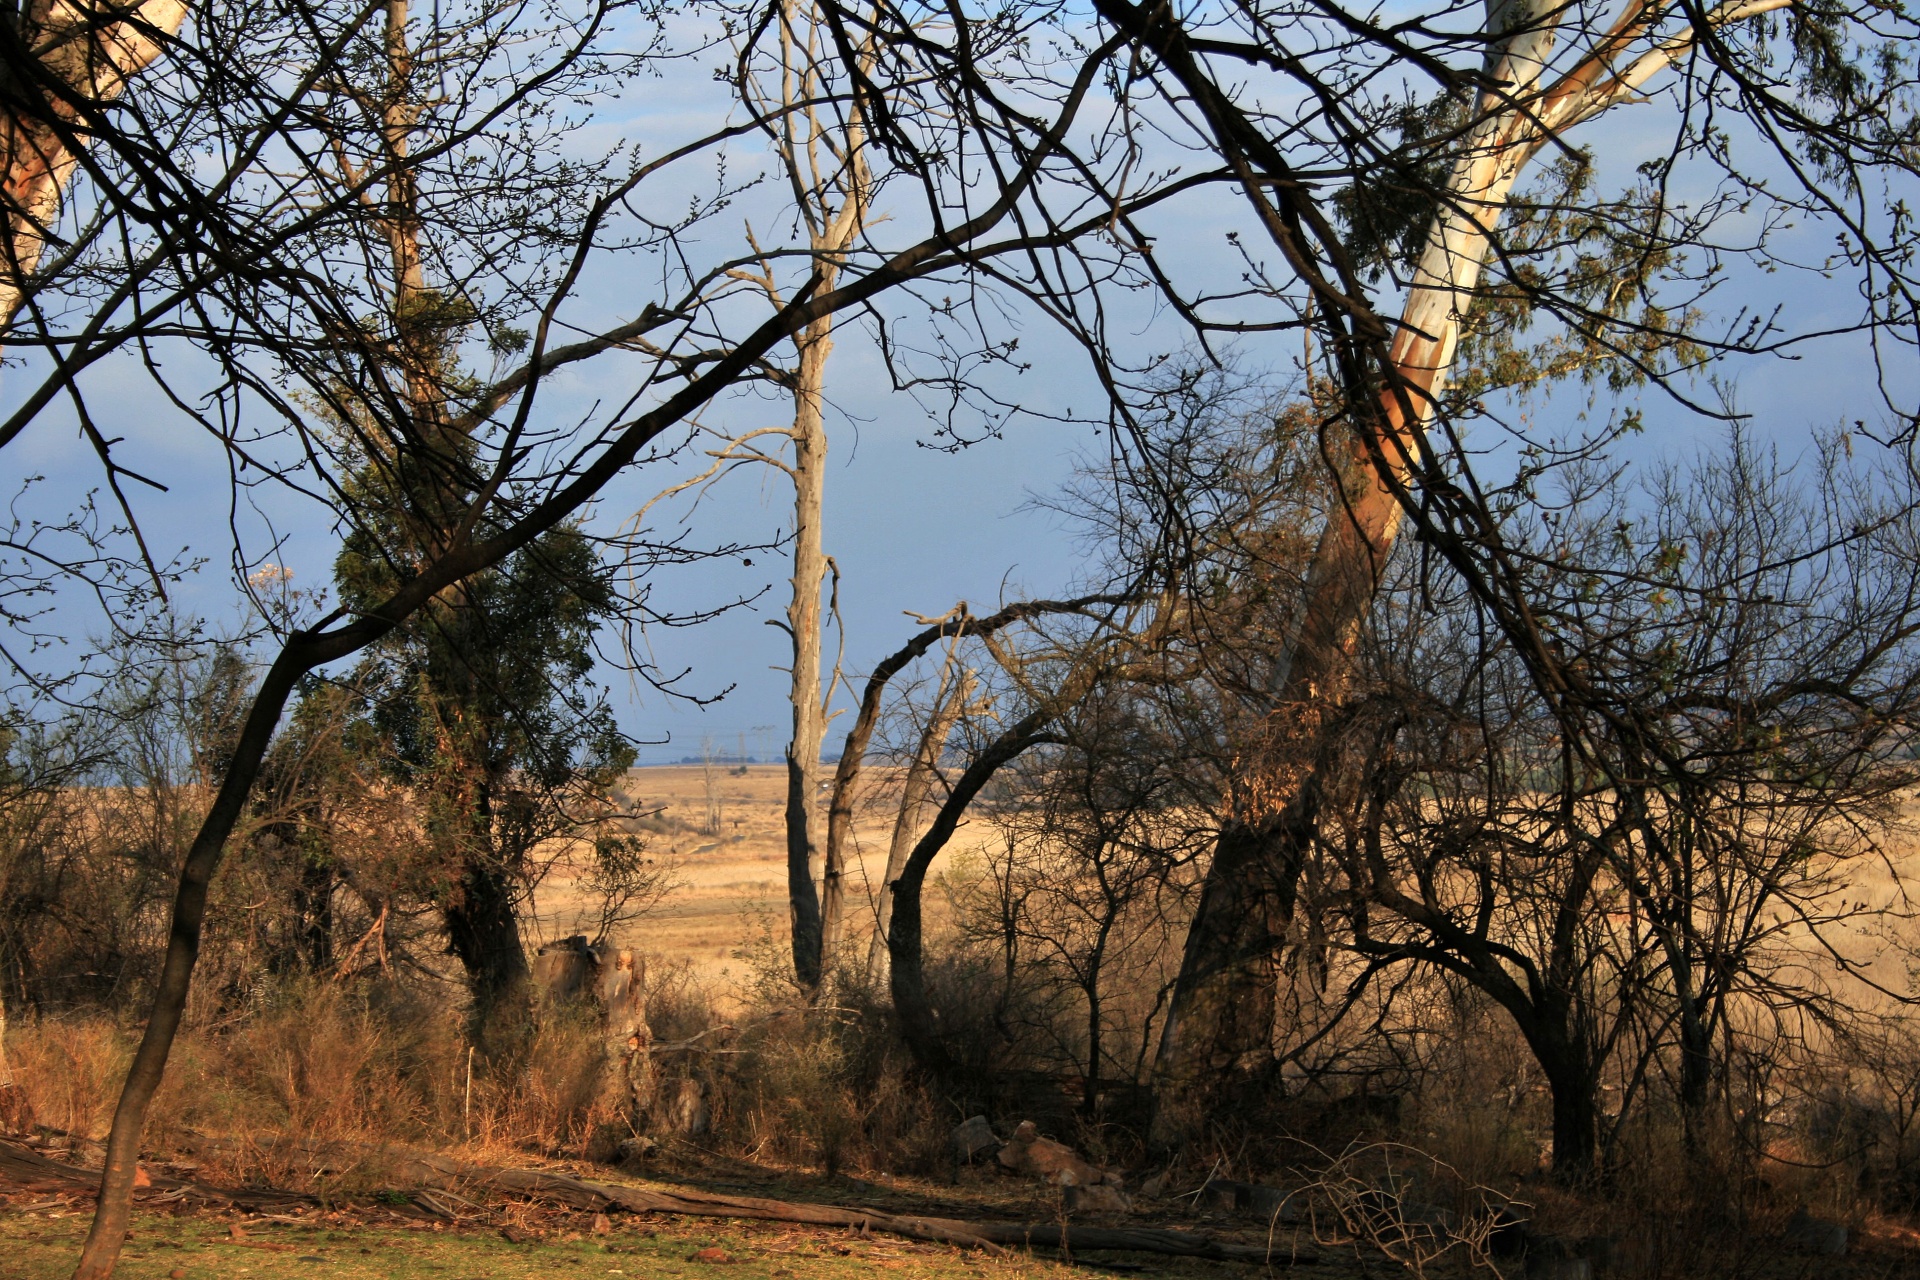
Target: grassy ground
44 1247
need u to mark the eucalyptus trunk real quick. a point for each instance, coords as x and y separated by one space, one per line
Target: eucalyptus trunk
63 62
1228 957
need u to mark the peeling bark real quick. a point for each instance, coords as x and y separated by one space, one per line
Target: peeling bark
63 65
1513 123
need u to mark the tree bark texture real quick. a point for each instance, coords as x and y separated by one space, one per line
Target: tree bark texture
811 912
621 989
64 61
483 931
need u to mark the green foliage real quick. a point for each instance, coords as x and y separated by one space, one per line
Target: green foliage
1389 207
1590 269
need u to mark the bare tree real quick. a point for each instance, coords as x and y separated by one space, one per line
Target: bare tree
485 473
1543 71
1672 882
952 699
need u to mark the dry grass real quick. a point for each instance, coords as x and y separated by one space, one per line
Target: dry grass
733 884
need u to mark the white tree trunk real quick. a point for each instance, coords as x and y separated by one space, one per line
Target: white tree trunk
95 60
804 622
915 791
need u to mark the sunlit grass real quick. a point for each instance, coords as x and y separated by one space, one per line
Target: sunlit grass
44 1247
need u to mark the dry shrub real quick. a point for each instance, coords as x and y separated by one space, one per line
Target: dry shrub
820 1084
547 1093
318 1075
71 1068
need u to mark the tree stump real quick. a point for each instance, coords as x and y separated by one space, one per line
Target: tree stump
563 970
621 989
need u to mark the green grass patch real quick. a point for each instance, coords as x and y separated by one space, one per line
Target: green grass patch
43 1246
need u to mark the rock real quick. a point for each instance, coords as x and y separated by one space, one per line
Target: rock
1820 1236
1055 1161
972 1138
683 1108
1097 1198
1015 1150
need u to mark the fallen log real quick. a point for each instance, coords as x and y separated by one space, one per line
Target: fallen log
429 1169
581 1194
22 1163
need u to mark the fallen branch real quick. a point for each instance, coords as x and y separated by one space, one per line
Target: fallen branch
581 1194
22 1163
446 1173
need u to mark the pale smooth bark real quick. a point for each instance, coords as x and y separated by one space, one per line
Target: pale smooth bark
1246 903
916 790
812 944
826 165
80 61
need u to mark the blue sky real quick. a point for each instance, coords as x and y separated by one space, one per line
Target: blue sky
912 528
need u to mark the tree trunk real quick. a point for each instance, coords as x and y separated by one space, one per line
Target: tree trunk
109 1228
1220 1019
826 162
68 45
905 943
1223 963
811 914
1576 1115
483 930
915 790
622 991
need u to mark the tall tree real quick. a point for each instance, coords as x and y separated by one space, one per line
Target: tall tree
1392 375
485 476
819 139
